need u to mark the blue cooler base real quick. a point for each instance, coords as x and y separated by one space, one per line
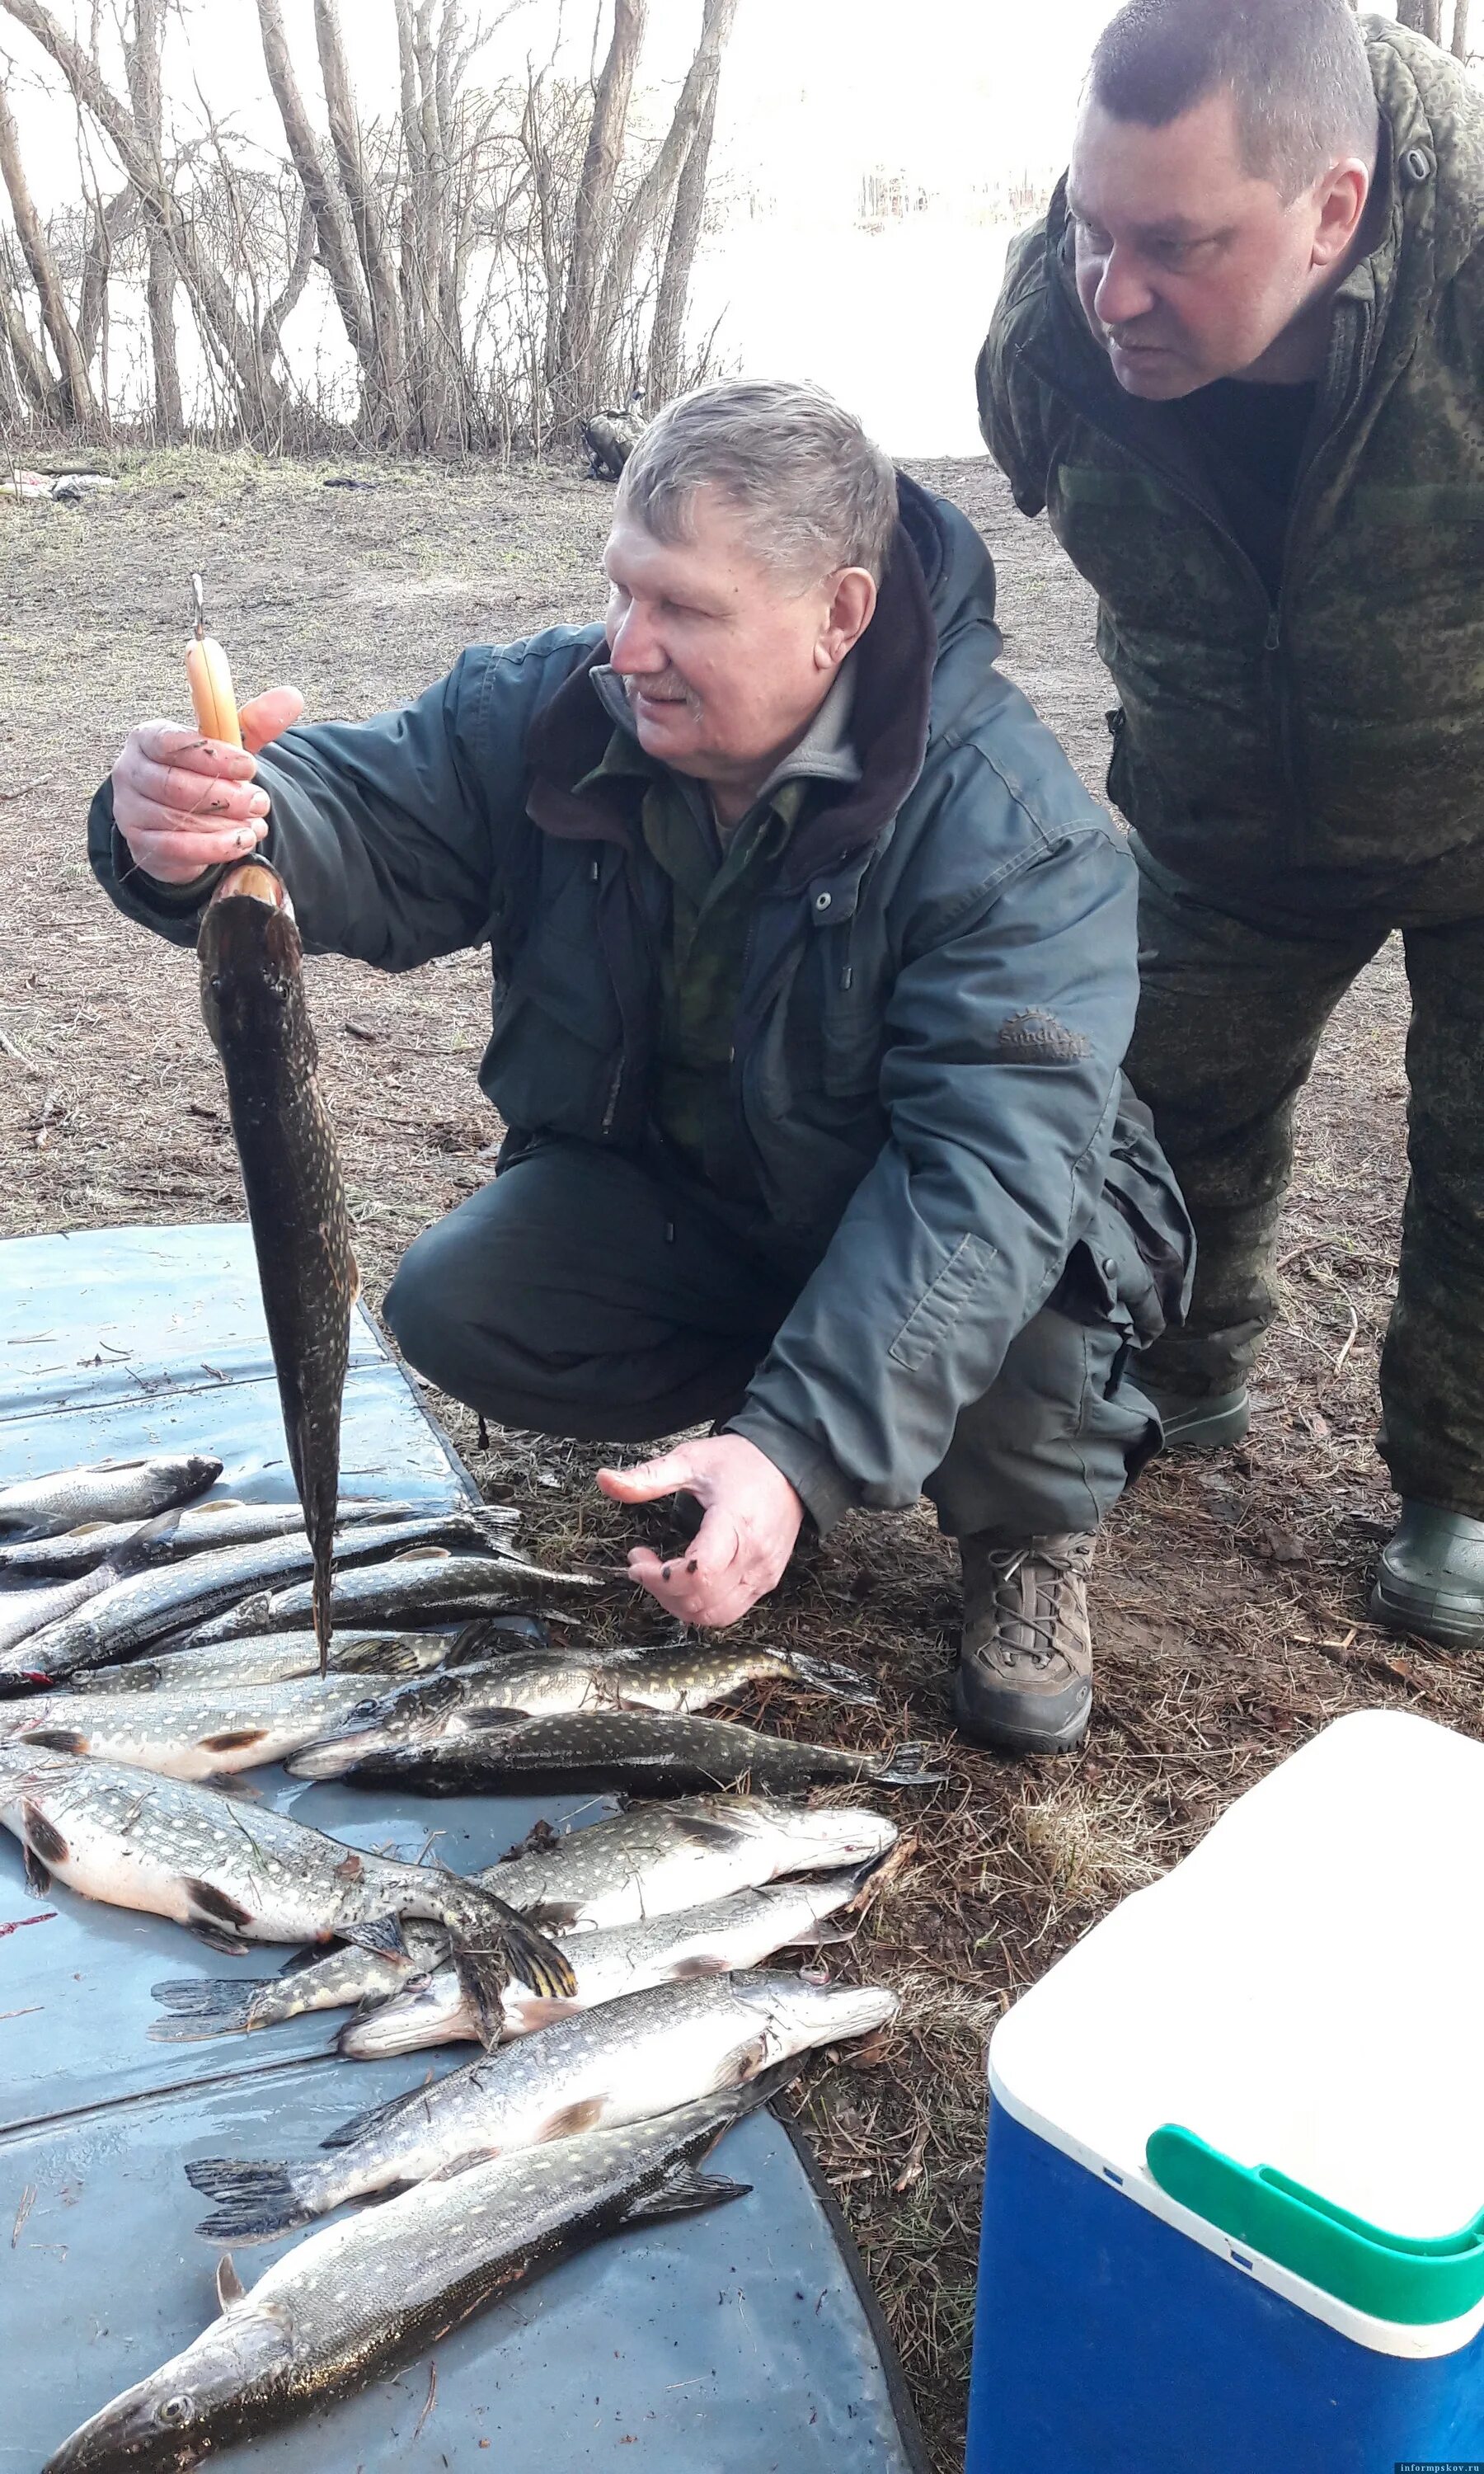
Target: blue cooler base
1107 2342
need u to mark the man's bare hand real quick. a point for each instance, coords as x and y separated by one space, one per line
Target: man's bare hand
738 1554
184 803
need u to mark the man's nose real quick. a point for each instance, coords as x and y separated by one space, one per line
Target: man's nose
635 647
1123 294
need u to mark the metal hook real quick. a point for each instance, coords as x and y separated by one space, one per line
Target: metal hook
199 600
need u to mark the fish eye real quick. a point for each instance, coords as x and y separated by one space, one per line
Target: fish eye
178 2410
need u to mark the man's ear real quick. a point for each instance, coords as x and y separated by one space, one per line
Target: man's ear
1341 201
852 608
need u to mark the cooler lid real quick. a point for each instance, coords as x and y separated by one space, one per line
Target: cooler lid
1300 1993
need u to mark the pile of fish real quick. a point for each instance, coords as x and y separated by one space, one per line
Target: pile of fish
156 1638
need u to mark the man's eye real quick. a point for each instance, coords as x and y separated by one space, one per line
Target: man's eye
1093 235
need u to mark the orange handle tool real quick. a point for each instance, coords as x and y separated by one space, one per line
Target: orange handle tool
210 678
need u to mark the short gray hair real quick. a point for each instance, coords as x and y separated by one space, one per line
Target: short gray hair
813 491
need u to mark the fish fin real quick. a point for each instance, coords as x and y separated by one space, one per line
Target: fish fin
460 2164
701 1962
684 2192
324 1584
354 1270
421 1555
382 1934
256 2201
831 1675
214 1907
907 1765
741 2066
54 1739
226 1944
525 2012
151 1544
235 1739
204 2005
552 1915
493 1722
823 1935
38 1880
376 1657
43 1837
375 2118
297 1959
570 2119
229 2287
469 1646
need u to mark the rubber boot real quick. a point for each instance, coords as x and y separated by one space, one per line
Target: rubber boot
1430 1578
1199 1421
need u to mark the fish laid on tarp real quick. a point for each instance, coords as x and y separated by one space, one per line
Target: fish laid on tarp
42 1507
730 1933
236 1873
654 1862
622 1748
359 2300
134 1612
192 1531
379 1658
443 1709
25 1612
412 1589
252 997
186 1735
627 2061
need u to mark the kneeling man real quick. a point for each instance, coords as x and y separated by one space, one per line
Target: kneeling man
814 970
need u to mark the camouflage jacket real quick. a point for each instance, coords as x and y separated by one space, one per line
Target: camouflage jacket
1328 747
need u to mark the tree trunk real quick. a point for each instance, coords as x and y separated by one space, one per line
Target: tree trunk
78 404
367 218
259 396
332 227
1423 16
33 373
143 68
667 335
1460 30
649 207
571 370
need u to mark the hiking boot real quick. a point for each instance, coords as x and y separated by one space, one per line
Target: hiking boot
1199 1421
1024 1680
1430 1578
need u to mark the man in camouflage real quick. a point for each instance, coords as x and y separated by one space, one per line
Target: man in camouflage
1239 366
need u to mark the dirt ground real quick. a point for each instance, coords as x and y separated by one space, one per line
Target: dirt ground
1229 1597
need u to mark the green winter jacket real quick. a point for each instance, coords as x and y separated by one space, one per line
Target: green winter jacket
1327 750
937 996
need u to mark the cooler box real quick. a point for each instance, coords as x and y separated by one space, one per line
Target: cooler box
1233 2215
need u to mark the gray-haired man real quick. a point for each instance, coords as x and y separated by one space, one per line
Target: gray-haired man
814 971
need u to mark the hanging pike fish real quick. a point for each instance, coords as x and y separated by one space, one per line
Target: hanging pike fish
252 997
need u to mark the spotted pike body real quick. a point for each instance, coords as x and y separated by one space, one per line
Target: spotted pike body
626 2061
359 2300
104 1491
236 1873
185 1734
252 997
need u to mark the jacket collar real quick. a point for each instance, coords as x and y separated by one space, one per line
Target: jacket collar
893 671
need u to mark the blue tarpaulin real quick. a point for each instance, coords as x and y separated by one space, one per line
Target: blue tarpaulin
738 2342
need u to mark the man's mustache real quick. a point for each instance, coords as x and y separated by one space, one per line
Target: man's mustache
669 685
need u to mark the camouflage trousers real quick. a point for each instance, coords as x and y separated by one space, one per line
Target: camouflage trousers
1230 1018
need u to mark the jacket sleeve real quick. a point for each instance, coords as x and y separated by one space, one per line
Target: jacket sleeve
1007 1027
389 834
1009 397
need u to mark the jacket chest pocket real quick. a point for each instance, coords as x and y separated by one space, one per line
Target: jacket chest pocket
849 984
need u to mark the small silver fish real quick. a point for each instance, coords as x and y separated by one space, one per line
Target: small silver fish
380 1658
643 2055
195 1529
413 1586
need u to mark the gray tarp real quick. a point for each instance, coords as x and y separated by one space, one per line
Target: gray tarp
739 2342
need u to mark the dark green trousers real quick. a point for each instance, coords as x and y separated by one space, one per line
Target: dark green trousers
1230 1018
582 1292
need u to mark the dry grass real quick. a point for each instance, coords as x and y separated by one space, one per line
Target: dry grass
1230 1596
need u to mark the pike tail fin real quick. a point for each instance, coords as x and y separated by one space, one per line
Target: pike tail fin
490 1943
830 1675
254 2202
213 2005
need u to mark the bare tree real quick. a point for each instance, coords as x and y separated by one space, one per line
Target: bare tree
1423 16
576 349
667 334
143 43
74 394
359 183
1460 30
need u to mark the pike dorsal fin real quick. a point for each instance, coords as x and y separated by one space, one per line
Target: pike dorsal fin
229 2287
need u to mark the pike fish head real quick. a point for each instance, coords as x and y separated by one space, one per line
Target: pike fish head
832 1834
249 954
202 2401
795 2016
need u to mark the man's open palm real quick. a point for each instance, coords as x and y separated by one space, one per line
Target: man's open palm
739 1553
